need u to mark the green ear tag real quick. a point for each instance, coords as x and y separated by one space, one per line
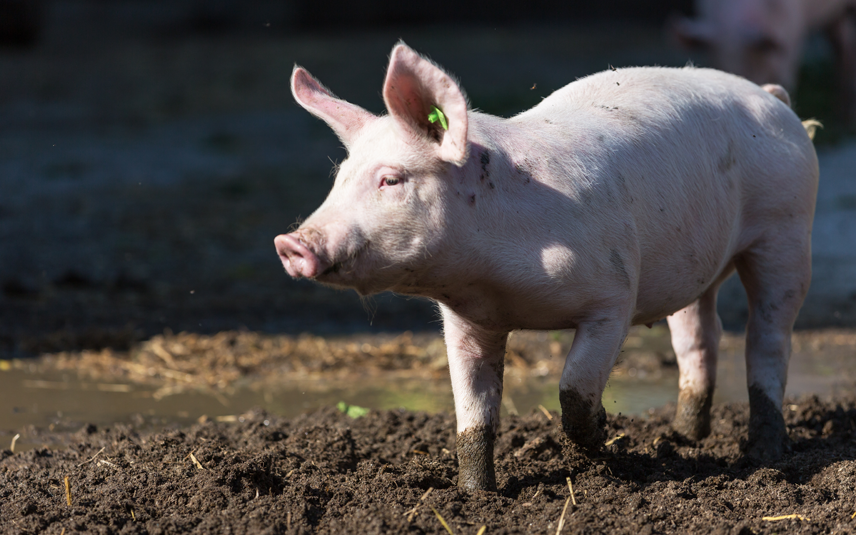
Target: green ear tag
438 115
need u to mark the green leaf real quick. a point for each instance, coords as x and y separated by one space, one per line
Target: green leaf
438 115
352 410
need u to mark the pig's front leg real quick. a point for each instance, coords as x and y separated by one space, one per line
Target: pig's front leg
593 353
476 363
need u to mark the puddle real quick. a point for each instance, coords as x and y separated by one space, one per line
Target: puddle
821 363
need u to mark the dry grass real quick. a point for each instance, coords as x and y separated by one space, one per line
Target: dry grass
176 363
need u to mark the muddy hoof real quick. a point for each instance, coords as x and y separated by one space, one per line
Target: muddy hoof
768 441
692 418
475 459
768 438
583 424
766 451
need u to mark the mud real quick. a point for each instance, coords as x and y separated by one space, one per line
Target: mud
383 473
692 418
475 453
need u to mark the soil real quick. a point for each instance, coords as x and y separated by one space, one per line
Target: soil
388 471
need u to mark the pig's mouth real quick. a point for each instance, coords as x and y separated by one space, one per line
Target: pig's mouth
346 266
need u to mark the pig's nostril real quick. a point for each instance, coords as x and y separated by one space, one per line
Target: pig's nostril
297 258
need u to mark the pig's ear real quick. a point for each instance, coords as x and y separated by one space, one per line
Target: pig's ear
344 118
413 88
689 33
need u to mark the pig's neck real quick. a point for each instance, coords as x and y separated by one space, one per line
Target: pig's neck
495 200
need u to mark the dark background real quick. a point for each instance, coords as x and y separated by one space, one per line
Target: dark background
150 150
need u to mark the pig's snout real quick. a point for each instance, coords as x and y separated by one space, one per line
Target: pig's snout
297 258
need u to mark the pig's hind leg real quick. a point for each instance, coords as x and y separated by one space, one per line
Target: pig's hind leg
776 272
476 365
696 331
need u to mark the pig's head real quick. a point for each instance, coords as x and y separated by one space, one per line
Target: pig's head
383 221
757 39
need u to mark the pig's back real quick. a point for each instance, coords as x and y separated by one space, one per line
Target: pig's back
686 165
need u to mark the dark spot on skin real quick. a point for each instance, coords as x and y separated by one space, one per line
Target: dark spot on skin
522 170
618 264
472 199
547 121
333 269
692 417
789 295
600 138
728 159
485 160
768 438
475 459
491 185
583 423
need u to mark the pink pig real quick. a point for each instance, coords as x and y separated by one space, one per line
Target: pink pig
623 198
762 40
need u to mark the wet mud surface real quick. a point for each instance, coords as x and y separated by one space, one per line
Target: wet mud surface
384 472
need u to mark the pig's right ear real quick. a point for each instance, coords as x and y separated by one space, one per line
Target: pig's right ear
413 88
691 34
344 118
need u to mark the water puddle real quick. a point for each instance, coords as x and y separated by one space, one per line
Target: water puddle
822 363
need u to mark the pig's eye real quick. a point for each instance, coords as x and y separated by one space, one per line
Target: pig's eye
390 181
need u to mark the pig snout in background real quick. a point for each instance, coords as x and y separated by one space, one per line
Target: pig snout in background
621 199
765 40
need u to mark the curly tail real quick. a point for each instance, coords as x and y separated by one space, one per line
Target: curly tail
811 126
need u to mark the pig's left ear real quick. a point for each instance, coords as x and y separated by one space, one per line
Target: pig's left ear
413 88
344 118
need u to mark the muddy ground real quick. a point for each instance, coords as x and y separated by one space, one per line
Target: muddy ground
388 472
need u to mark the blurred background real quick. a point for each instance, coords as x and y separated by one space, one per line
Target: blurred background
150 151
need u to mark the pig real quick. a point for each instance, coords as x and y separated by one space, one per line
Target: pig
762 40
621 199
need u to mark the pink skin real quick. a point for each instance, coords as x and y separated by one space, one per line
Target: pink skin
299 261
622 199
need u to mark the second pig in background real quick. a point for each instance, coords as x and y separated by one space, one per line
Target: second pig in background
764 40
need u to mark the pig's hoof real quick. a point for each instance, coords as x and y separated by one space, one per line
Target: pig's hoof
692 419
583 424
768 438
475 459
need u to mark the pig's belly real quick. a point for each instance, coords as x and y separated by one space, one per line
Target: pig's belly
673 274
657 301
